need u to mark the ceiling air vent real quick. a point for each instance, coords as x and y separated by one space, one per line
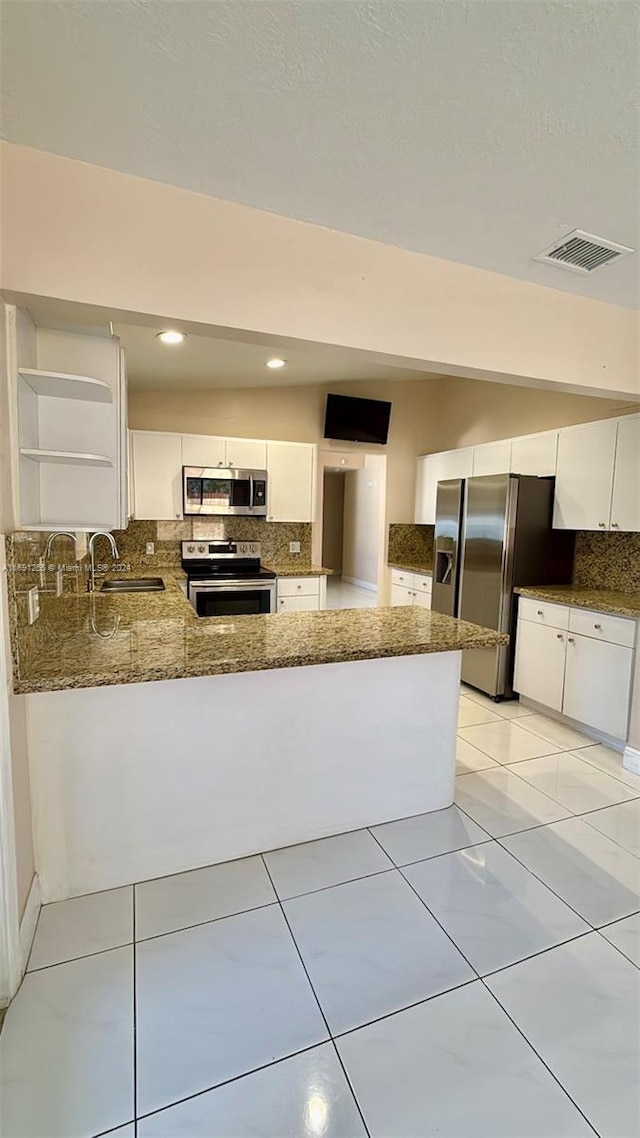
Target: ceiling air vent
582 252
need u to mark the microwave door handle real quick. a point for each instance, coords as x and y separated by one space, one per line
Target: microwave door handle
251 498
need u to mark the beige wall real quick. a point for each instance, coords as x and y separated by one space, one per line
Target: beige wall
480 412
333 520
82 233
364 528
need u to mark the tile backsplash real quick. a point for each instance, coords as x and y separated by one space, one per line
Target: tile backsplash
607 561
410 544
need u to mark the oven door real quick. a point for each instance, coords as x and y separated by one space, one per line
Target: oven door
232 598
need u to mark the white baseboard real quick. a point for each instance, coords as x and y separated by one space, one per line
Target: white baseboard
583 728
631 760
29 921
372 588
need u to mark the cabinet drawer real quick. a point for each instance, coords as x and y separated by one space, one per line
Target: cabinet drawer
298 586
541 612
400 577
602 626
422 584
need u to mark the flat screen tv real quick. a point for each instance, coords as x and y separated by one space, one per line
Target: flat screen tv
357 420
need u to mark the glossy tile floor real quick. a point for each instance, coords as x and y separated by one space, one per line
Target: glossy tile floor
341 595
472 973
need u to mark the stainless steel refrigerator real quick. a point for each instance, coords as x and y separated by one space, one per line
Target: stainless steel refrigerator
492 534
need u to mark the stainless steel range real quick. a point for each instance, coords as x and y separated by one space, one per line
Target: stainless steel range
225 578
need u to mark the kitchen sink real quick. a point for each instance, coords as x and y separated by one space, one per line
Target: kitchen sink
135 585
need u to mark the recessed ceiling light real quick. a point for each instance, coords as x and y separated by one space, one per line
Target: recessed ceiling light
171 337
276 363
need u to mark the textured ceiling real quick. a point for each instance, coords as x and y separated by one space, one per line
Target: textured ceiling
479 132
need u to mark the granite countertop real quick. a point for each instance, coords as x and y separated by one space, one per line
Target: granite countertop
92 641
577 596
426 570
297 569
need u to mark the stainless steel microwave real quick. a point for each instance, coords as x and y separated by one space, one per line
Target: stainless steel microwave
211 490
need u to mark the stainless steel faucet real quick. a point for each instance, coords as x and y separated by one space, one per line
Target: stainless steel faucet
52 537
91 583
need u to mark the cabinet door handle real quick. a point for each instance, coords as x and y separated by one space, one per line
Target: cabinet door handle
570 640
559 636
598 627
602 525
539 612
614 525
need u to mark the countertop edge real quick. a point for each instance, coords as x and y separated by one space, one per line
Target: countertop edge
574 598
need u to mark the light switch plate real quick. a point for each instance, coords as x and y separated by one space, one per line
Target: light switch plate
59 583
294 547
151 547
33 598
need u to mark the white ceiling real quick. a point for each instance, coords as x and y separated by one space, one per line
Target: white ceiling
476 131
205 360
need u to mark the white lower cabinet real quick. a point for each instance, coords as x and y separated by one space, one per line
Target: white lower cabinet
300 594
540 659
410 589
584 674
597 684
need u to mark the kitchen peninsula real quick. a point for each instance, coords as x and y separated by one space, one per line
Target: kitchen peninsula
161 742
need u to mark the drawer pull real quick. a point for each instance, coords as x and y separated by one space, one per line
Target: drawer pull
614 525
570 640
298 586
540 612
602 525
559 636
598 627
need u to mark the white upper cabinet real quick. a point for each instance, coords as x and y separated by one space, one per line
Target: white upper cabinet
492 458
157 475
535 454
584 479
246 454
290 482
203 450
625 502
434 468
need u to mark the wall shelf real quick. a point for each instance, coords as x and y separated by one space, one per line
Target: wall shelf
65 457
64 386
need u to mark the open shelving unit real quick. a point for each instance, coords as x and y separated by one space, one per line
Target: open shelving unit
68 394
61 385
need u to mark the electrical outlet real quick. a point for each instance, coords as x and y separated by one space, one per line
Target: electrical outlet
59 583
151 547
294 547
33 598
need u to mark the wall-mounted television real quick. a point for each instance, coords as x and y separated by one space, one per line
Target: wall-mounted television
357 420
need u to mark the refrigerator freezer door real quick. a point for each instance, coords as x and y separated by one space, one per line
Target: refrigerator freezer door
485 590
449 501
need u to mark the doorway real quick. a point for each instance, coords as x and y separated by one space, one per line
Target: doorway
352 532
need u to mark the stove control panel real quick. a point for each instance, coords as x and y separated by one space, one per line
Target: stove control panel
198 550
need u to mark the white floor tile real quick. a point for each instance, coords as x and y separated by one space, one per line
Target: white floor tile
598 878
427 835
506 742
172 903
610 762
371 947
341 595
493 909
306 1096
620 823
579 1006
502 803
329 861
470 759
572 782
505 709
66 1050
81 926
217 1001
470 712
560 734
455 1067
626 936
